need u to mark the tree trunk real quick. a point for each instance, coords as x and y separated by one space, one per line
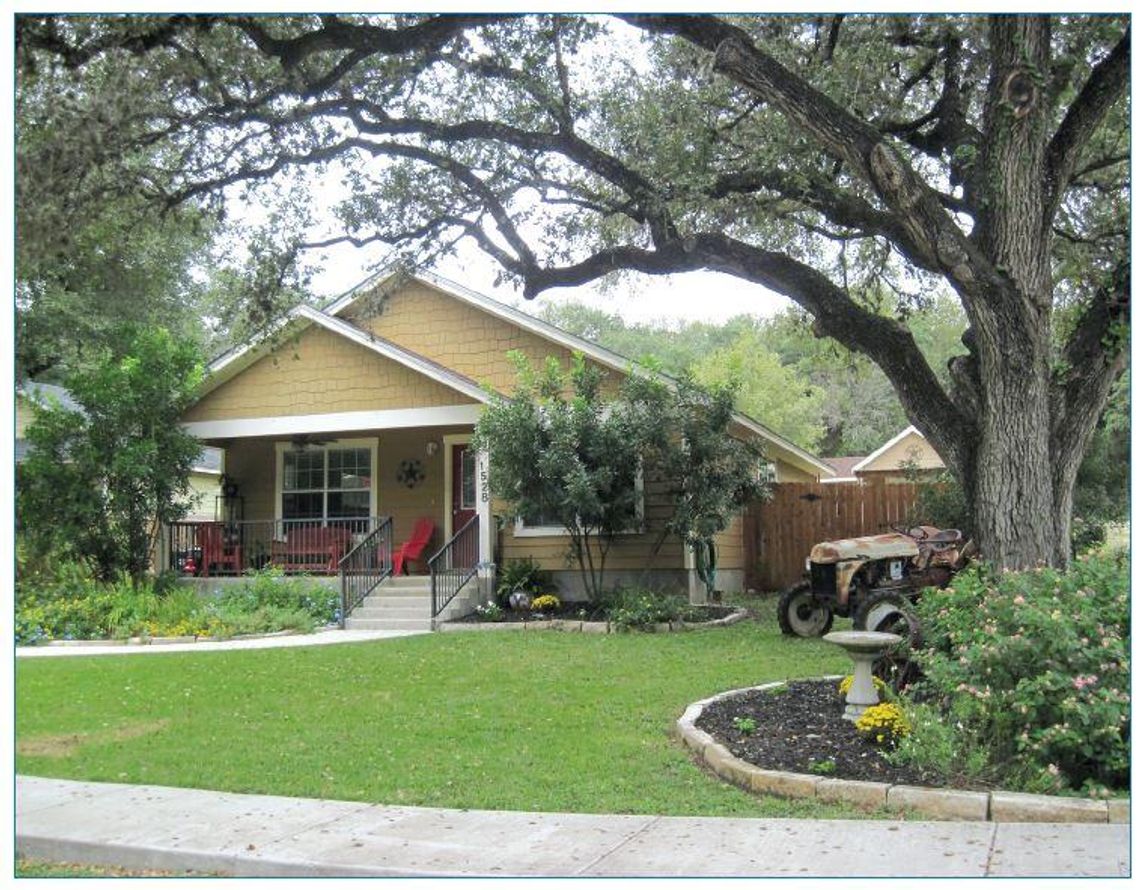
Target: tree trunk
1013 495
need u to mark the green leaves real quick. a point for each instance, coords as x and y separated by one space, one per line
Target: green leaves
98 479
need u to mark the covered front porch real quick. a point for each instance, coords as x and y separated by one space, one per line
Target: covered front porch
362 493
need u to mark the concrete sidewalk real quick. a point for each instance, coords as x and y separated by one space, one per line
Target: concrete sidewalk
173 829
323 637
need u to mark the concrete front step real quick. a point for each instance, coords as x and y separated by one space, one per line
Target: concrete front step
399 603
354 623
380 612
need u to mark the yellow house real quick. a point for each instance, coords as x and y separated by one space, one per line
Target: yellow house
907 452
356 419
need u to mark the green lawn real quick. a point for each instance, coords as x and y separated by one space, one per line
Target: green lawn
518 721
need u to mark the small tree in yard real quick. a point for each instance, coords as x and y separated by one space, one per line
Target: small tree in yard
98 482
563 454
712 474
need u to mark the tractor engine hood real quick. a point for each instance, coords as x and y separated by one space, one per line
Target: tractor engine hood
873 547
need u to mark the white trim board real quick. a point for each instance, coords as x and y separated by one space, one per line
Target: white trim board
343 421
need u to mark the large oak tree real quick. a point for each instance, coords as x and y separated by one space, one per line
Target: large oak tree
831 159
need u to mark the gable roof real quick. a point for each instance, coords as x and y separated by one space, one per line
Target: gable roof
844 466
231 363
44 393
883 449
599 354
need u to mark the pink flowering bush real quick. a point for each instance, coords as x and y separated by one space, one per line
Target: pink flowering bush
1033 668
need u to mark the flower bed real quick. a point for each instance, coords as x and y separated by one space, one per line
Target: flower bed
72 605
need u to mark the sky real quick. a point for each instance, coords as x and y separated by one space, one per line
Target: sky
637 298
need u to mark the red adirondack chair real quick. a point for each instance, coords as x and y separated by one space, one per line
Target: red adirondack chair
217 551
413 548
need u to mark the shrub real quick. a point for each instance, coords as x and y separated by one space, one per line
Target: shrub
1034 669
64 601
270 588
640 607
489 611
884 724
546 602
519 574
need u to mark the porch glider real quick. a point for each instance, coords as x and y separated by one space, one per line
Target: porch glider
312 549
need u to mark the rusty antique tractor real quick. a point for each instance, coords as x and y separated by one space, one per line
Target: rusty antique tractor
873 580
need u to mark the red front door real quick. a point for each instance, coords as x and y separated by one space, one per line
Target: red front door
463 486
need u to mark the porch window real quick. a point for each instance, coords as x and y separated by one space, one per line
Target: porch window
326 483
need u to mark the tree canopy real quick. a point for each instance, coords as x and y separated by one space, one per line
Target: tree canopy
833 159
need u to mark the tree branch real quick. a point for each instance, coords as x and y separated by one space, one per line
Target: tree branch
1093 358
1108 82
887 342
859 145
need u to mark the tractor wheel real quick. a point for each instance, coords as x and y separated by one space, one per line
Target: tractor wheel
891 612
800 615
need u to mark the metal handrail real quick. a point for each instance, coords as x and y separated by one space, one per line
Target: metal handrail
364 567
453 565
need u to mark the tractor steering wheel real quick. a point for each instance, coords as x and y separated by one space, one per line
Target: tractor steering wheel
917 532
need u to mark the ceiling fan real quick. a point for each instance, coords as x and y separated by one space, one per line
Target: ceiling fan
301 441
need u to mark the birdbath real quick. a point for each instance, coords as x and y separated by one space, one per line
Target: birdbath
864 646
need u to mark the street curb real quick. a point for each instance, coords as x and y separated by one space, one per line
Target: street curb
940 803
568 625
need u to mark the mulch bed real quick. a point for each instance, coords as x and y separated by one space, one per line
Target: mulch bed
800 725
584 612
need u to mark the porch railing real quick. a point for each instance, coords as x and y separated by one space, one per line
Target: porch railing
311 546
364 567
453 565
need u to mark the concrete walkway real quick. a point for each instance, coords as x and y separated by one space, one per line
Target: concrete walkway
320 638
172 829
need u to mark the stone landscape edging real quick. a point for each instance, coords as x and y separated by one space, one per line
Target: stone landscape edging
165 641
596 627
944 803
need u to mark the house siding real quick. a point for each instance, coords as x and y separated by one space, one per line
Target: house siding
910 449
628 552
785 472
319 373
463 337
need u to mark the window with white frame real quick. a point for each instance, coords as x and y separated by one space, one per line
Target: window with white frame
545 523
333 482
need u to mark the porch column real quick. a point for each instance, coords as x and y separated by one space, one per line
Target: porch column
486 525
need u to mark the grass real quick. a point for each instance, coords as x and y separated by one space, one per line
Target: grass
521 721
34 868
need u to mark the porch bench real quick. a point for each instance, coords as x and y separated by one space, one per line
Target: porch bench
311 549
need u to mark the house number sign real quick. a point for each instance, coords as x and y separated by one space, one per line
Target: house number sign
484 495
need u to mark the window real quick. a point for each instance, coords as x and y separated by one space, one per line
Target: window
545 524
467 496
333 482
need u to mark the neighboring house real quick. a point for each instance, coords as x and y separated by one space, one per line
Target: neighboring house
365 410
204 477
896 461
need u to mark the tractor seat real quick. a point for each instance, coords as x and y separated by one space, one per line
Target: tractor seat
944 538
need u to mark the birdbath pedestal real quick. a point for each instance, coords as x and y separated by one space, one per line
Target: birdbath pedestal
864 646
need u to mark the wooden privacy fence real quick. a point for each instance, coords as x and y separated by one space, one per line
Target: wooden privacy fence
779 533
